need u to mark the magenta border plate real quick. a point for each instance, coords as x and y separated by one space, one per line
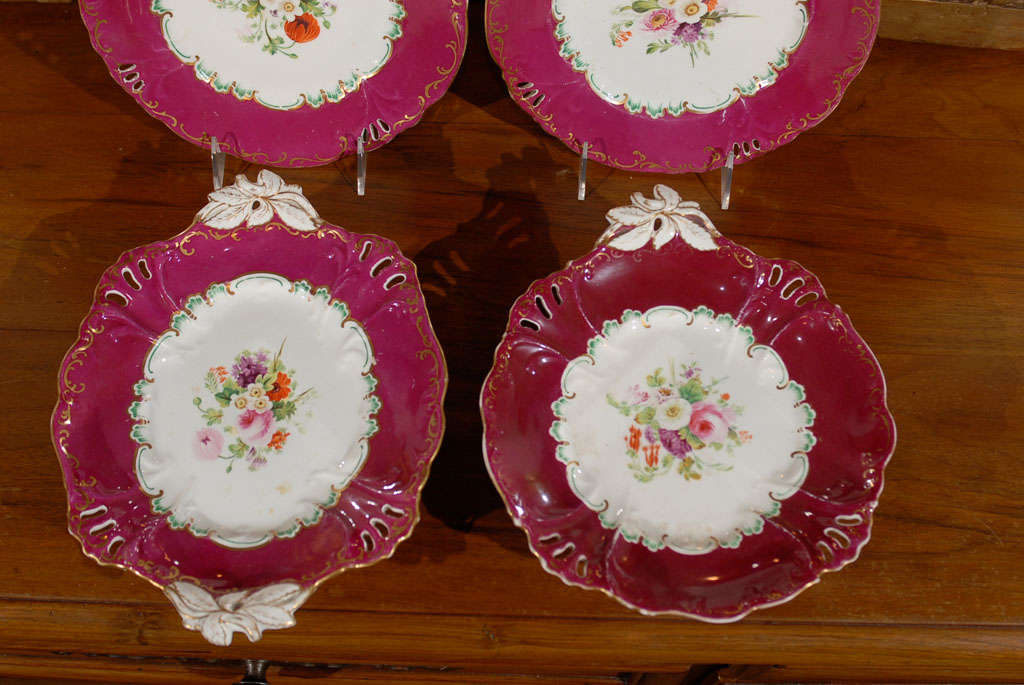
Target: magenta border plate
521 36
820 528
127 35
91 425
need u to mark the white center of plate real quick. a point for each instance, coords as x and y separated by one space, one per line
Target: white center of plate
680 431
282 53
679 55
256 410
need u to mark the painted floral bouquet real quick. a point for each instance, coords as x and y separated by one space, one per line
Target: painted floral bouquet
672 23
253 405
679 420
279 25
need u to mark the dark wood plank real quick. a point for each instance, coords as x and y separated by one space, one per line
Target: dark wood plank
27 670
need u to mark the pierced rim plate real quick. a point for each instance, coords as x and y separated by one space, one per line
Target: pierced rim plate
251 407
287 83
672 86
685 425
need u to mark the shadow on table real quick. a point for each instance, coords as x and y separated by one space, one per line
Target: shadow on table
480 81
470 279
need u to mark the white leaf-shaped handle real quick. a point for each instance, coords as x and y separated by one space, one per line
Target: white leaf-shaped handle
191 598
657 221
246 611
281 594
254 204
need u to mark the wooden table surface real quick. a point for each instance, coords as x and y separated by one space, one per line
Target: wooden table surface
907 203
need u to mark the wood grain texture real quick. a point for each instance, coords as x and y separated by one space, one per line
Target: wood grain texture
967 23
906 203
16 670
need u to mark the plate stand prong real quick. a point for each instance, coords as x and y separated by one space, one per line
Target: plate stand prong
727 177
217 159
255 673
360 167
581 191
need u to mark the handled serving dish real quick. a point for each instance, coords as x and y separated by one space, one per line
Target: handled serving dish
250 408
683 424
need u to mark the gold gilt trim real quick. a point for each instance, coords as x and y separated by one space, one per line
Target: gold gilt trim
89 332
456 45
499 377
533 104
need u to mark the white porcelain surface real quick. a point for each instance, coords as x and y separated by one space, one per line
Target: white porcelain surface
679 55
680 431
276 448
270 50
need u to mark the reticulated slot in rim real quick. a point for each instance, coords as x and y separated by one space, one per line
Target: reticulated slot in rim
581 566
849 520
792 287
116 297
100 527
555 293
392 511
381 527
144 269
396 279
130 279
95 511
839 536
365 252
529 323
564 551
548 539
368 543
542 307
380 266
806 298
775 276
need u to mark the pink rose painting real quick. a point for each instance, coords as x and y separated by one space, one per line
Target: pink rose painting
710 422
686 422
248 407
207 444
256 428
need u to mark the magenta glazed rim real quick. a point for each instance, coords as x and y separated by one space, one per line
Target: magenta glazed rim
821 527
134 303
424 61
523 41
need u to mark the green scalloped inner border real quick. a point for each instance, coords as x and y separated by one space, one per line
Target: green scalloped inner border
140 431
656 110
348 83
565 454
